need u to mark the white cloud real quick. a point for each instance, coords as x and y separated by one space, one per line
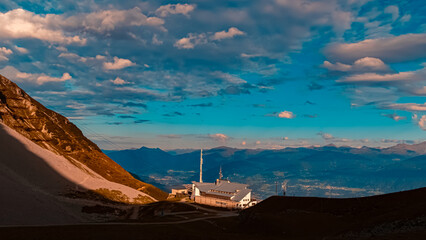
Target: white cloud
374 77
286 114
232 32
119 81
395 117
393 10
392 49
419 91
219 137
109 20
38 78
44 78
405 18
21 50
407 106
229 78
365 64
69 55
185 9
422 122
245 55
341 67
326 136
370 62
20 23
4 52
119 63
55 28
320 12
191 41
155 40
76 57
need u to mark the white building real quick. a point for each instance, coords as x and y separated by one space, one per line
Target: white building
222 193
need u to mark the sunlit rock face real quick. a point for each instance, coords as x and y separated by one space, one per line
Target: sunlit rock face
56 133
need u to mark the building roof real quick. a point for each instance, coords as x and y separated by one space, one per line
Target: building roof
179 187
235 191
241 194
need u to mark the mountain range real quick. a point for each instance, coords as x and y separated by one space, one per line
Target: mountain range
314 171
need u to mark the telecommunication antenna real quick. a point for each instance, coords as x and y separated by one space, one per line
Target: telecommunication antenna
201 166
284 187
220 173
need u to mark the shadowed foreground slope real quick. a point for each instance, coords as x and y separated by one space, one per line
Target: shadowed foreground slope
389 215
392 216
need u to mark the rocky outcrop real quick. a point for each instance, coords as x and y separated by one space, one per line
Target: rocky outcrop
56 133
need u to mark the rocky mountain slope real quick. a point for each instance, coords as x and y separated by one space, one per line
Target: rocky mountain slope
56 133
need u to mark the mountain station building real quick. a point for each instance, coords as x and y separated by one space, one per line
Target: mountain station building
223 193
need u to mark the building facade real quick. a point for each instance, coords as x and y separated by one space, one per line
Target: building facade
223 193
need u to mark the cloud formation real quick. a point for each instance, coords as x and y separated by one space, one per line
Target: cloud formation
326 136
119 81
40 78
119 63
4 52
109 20
219 137
422 122
165 10
232 32
374 77
286 114
392 49
21 24
407 106
191 41
395 117
365 64
55 28
194 39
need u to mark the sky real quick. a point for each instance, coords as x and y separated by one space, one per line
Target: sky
245 74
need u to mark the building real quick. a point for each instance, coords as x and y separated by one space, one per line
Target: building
221 193
179 190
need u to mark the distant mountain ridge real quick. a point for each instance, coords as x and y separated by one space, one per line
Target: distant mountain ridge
312 171
56 133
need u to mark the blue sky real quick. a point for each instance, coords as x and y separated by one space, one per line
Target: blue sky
246 74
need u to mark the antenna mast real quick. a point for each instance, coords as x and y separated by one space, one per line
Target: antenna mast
220 173
284 187
201 166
